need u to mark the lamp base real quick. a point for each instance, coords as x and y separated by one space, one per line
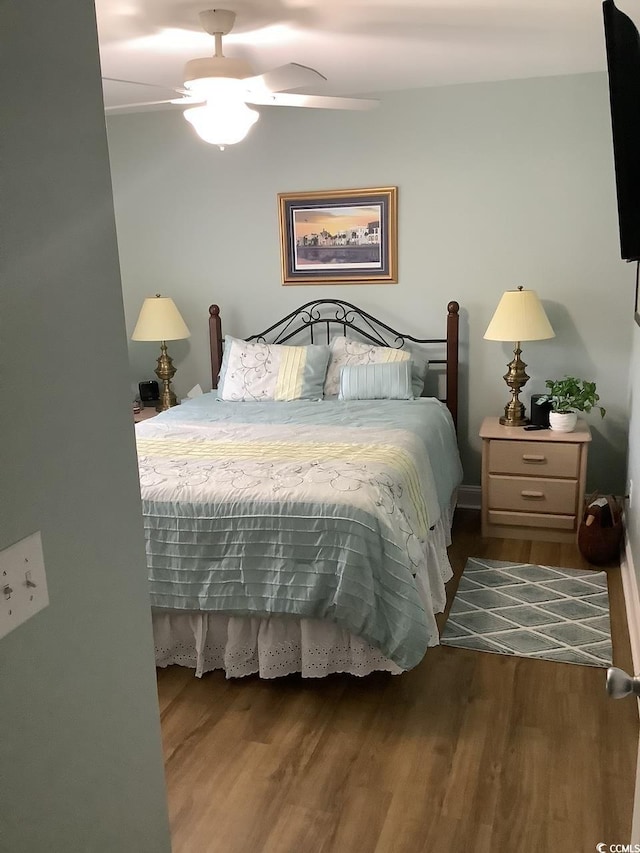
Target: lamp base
514 415
165 371
515 377
505 421
167 399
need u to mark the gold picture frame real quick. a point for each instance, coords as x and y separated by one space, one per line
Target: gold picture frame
339 236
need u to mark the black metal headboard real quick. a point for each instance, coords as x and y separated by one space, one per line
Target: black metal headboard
320 317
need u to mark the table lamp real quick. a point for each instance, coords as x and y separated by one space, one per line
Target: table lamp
160 320
518 317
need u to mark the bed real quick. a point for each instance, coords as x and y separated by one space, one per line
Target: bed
297 517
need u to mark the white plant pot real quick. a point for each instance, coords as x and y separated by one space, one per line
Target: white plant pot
563 422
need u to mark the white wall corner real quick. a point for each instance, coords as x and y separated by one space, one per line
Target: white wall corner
632 606
632 602
469 497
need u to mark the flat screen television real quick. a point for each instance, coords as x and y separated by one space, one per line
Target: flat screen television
623 65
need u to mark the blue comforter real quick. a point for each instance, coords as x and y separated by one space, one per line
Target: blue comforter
310 508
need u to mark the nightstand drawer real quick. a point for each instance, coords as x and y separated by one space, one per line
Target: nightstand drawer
526 519
533 495
534 458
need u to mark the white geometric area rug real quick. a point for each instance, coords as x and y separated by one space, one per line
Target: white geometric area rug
531 611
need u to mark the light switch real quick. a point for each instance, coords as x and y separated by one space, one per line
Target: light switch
23 583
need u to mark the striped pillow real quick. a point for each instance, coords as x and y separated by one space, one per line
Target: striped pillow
256 371
376 382
348 353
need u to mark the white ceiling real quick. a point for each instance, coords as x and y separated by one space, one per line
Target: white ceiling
360 46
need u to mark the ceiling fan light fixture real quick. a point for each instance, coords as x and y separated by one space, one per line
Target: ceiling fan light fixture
210 67
222 123
217 88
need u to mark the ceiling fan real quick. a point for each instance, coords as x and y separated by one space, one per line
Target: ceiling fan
218 89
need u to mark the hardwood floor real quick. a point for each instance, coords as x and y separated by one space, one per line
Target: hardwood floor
467 752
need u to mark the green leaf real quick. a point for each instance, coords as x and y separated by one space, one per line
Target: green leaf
570 394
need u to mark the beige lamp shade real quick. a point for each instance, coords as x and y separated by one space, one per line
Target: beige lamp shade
160 320
519 317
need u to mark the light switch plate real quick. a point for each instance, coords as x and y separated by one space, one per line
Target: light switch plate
23 583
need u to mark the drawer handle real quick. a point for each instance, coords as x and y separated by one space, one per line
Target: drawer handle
533 457
531 494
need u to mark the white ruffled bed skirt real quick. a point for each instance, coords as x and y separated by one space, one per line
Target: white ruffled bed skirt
281 645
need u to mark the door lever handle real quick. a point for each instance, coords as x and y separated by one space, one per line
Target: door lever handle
620 684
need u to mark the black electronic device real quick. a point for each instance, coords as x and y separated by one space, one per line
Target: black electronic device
623 64
149 391
534 427
539 415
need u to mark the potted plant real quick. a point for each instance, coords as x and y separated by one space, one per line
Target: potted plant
567 397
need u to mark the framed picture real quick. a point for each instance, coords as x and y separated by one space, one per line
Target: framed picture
339 236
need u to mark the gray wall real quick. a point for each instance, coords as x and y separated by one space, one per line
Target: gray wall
632 514
80 758
499 185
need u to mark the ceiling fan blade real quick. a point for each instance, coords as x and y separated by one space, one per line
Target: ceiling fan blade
133 82
148 85
147 106
320 102
291 76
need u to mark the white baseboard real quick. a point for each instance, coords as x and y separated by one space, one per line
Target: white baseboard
469 497
632 603
632 606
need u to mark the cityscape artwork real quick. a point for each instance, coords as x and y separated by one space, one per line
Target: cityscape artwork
340 236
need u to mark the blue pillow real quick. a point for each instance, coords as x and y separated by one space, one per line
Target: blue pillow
391 381
419 369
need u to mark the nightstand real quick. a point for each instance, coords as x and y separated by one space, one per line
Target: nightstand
533 482
145 414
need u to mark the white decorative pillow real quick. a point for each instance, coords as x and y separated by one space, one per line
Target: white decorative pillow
347 353
256 371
